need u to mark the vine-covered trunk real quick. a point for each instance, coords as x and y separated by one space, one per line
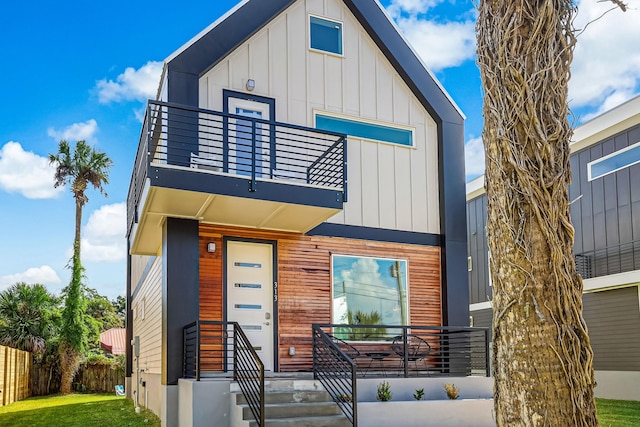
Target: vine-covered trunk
542 358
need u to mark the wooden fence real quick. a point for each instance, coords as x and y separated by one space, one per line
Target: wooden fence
15 375
89 378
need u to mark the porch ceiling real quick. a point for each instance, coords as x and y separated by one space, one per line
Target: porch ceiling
162 202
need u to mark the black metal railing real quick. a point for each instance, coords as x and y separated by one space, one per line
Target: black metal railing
218 347
336 371
410 351
248 371
611 260
249 147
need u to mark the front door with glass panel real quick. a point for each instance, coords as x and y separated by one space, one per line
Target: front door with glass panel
243 134
250 294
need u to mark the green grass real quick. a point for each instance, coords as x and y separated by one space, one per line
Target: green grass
618 413
76 410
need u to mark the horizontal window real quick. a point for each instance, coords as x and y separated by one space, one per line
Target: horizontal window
373 131
613 162
325 35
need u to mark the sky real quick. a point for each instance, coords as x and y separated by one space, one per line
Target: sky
83 70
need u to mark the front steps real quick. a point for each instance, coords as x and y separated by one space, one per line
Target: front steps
290 403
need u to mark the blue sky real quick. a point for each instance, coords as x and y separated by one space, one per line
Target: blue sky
82 70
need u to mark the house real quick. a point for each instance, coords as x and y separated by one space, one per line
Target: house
299 165
605 212
113 341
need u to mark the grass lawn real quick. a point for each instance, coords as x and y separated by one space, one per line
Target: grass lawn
618 413
76 410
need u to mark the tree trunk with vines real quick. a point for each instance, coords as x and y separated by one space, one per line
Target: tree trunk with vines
542 356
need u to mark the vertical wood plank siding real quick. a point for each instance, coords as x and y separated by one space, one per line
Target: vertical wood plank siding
304 282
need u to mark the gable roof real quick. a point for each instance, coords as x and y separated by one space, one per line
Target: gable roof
214 43
114 340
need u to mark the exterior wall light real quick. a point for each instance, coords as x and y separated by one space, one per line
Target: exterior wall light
251 85
211 247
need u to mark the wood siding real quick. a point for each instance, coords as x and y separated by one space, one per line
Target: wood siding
613 319
138 265
390 186
304 282
147 319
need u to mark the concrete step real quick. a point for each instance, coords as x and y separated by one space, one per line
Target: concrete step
303 396
328 421
290 410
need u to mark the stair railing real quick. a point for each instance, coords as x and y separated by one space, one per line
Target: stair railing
248 371
336 371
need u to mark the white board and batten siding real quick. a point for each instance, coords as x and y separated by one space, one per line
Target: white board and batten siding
389 186
147 314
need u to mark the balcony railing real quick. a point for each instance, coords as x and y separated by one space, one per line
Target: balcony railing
176 136
611 260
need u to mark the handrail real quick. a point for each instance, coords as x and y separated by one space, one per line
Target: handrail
452 351
248 371
337 372
224 346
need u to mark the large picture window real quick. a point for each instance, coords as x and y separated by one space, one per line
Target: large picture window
369 291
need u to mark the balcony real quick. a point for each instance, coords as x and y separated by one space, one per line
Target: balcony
611 260
232 170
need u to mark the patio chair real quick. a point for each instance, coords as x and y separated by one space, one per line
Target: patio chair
119 390
417 349
347 348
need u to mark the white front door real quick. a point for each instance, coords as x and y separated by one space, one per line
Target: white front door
250 299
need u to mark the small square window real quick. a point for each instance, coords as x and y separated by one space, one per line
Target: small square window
325 35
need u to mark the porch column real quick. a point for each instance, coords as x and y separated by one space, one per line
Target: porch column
180 291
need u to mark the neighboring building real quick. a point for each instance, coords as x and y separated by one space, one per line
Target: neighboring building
605 211
239 208
113 341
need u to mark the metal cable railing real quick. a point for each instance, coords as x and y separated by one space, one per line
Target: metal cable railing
337 373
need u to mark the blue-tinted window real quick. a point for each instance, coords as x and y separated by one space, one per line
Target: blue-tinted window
326 35
619 160
365 130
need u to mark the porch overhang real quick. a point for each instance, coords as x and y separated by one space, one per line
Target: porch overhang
226 200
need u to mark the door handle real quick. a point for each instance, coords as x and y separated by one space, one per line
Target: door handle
266 323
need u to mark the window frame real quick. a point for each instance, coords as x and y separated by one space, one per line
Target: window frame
326 20
367 122
590 177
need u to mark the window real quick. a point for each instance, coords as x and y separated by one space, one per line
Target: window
325 35
366 130
613 162
369 291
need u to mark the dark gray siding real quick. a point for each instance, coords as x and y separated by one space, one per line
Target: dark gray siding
613 319
607 216
483 319
479 289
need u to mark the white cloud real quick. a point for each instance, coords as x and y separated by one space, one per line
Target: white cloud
44 275
140 84
75 132
27 173
104 233
606 64
474 158
439 44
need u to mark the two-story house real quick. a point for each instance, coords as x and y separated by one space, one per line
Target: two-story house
605 212
299 165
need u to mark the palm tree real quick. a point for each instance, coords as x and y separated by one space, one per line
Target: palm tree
543 362
28 317
84 166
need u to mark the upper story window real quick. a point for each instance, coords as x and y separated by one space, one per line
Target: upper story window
365 130
613 162
325 35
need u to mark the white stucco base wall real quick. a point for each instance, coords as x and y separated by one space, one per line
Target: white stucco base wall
204 403
619 385
169 410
